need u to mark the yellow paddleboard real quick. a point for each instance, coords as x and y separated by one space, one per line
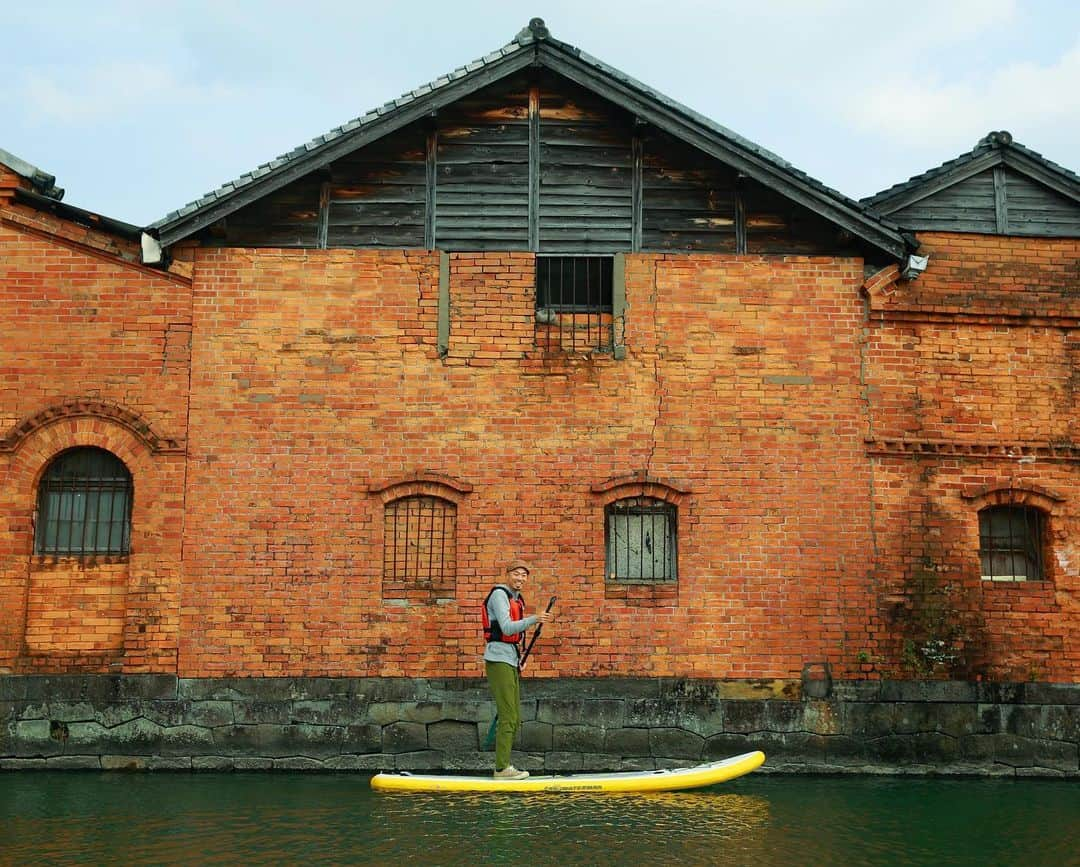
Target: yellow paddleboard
628 781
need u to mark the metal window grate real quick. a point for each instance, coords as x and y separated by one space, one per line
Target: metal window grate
1011 543
574 303
420 543
84 505
642 541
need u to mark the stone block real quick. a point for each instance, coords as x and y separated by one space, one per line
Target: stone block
420 760
186 741
704 717
298 763
313 711
361 738
821 717
675 743
33 738
168 763
869 720
404 737
422 712
557 761
374 762
164 713
252 763
1052 693
148 687
534 736
260 712
652 713
208 714
73 763
725 745
214 689
577 739
606 713
928 690
386 713
70 711
124 763
216 763
1056 755
627 742
744 716
784 716
452 736
1025 720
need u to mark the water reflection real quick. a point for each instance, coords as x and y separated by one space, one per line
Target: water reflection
228 819
666 828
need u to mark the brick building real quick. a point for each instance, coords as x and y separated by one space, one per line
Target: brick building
743 425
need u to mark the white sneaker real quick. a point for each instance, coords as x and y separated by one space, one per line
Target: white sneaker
511 773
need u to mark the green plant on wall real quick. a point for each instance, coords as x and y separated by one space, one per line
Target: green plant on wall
934 633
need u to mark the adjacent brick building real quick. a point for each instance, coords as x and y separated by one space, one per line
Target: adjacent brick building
534 309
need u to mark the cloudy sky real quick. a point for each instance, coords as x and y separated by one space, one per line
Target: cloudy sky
139 108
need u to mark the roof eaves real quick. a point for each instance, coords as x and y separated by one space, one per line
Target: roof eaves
43 183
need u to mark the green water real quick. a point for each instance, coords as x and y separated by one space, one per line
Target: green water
82 818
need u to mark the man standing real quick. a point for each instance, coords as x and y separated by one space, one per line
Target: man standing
504 630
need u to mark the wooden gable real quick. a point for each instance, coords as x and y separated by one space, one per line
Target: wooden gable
531 162
1000 188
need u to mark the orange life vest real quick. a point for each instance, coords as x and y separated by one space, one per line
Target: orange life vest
492 631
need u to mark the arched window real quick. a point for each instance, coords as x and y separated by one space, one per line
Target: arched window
84 505
1011 543
642 540
419 543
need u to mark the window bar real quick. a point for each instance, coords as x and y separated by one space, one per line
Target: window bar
429 507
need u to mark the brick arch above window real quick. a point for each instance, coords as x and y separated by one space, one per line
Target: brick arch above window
640 485
1014 495
89 409
440 485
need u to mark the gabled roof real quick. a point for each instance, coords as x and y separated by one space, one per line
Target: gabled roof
994 149
534 45
41 182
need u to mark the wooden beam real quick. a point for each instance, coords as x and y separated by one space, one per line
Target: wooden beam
430 187
637 190
534 167
1001 202
442 326
324 214
740 216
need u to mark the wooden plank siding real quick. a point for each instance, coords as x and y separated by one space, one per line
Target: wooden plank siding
586 172
1011 204
579 176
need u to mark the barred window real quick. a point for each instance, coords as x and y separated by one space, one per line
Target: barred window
641 540
84 505
419 549
1011 543
574 303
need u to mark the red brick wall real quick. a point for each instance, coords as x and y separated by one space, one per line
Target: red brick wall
973 371
749 388
316 381
94 351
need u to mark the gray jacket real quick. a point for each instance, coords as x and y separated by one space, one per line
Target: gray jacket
498 610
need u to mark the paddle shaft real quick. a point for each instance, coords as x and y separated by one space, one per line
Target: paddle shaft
536 635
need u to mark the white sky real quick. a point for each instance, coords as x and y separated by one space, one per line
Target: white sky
139 108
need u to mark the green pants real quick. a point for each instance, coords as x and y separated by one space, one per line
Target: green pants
505 686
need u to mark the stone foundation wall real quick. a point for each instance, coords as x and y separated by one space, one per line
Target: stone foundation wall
367 724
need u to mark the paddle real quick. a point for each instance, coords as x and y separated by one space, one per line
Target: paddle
490 739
